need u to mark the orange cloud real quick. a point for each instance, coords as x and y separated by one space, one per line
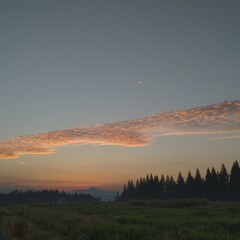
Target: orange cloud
219 118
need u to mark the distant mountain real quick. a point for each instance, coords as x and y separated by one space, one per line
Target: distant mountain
97 193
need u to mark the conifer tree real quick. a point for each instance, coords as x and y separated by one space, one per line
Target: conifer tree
223 182
180 190
167 180
223 176
235 181
180 180
124 195
161 187
198 179
198 184
215 186
162 180
214 178
189 185
156 179
171 181
208 184
137 189
190 179
208 178
130 189
171 188
147 178
151 179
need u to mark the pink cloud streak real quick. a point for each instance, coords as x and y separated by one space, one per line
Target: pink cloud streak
223 138
218 118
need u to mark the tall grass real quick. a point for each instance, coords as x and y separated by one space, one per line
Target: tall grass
136 220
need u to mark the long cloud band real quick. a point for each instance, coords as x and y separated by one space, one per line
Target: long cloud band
218 118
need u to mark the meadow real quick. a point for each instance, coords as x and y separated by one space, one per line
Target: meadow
136 220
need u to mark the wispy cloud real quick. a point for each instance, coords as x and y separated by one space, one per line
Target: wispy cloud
21 163
223 138
141 82
218 118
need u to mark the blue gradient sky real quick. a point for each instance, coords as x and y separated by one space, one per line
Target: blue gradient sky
75 63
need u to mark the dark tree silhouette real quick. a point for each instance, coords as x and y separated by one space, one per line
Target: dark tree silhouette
215 186
208 184
44 196
189 185
235 181
180 186
198 184
223 182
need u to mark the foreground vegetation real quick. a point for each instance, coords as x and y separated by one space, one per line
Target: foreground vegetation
190 219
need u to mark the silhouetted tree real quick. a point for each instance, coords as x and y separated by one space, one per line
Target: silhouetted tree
171 188
130 189
180 193
223 182
189 185
162 180
215 186
234 183
137 189
198 184
158 190
124 195
161 187
208 184
44 196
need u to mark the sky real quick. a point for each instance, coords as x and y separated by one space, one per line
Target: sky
93 93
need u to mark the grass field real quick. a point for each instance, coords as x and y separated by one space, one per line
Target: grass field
136 220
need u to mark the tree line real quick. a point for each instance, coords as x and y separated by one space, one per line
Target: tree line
215 185
44 196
